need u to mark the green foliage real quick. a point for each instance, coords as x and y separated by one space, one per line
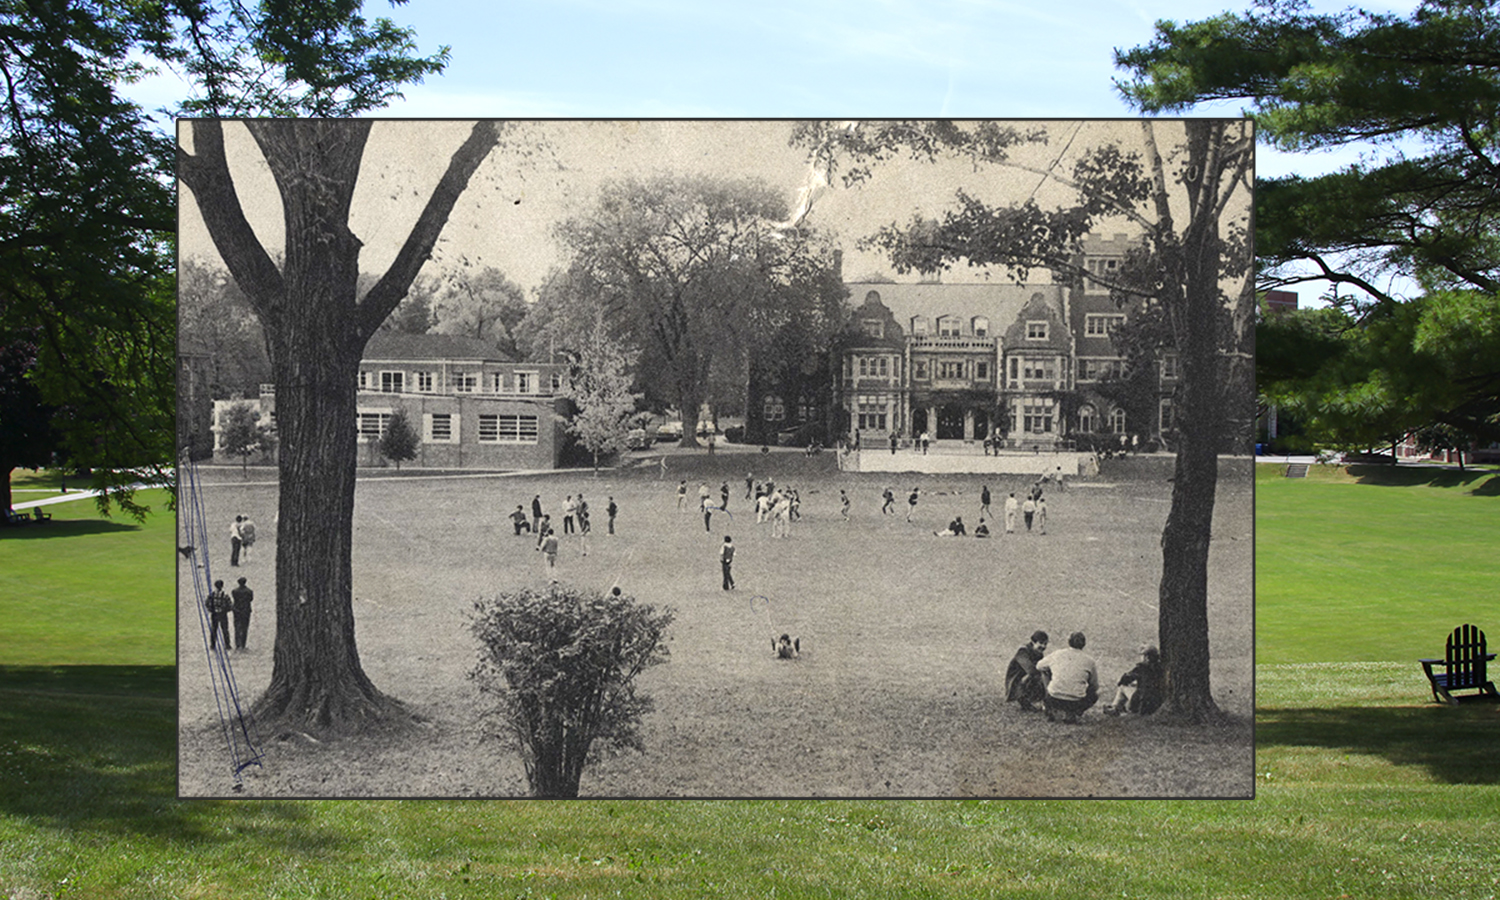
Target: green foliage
400 441
561 664
1317 81
287 58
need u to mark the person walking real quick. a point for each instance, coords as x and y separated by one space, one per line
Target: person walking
681 492
1012 506
708 511
726 562
247 538
984 502
1028 511
844 504
219 606
240 599
724 496
911 502
893 443
611 510
1041 515
888 498
583 515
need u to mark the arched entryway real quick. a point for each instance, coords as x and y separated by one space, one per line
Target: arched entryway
950 423
918 422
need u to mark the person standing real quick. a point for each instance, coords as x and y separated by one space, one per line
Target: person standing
1012 506
926 441
247 537
893 443
536 513
570 511
241 598
611 510
236 540
1023 683
1028 511
219 606
887 498
749 484
984 502
708 511
702 494
1041 515
724 496
844 504
911 502
549 549
583 515
726 562
681 492
1074 683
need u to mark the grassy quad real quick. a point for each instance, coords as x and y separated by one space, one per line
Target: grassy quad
1364 789
905 638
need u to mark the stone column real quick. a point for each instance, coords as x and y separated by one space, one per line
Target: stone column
969 425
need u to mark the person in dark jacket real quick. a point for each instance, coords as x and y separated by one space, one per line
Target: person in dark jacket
1142 688
1023 683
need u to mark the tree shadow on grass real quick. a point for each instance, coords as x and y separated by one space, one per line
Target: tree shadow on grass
92 749
1455 745
1481 482
64 528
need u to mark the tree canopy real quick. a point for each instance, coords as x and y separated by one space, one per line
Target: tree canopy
696 277
1421 96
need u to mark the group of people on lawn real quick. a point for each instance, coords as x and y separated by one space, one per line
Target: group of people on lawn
1066 681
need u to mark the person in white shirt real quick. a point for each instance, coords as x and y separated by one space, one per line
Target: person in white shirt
1072 680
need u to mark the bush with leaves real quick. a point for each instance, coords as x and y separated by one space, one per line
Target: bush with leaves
561 664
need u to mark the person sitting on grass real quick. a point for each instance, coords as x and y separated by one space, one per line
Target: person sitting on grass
1023 683
955 528
1072 680
1140 689
786 648
981 530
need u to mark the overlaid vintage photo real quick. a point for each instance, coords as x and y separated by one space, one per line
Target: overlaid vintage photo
701 459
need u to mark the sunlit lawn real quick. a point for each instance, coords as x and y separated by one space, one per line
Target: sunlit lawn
1365 788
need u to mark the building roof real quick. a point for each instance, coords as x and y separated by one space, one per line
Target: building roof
391 345
1001 303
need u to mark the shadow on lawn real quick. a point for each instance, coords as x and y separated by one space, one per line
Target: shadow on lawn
94 749
64 528
1456 745
1481 482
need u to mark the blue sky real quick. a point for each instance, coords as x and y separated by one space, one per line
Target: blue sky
787 58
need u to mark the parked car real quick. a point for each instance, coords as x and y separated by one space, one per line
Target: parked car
669 431
638 439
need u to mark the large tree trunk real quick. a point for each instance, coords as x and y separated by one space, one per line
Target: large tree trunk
1183 594
316 327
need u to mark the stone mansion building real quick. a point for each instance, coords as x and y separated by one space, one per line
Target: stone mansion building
1032 365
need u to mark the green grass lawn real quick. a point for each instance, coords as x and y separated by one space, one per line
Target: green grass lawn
1363 788
85 590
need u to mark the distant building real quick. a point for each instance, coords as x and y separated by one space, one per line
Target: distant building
1032 365
471 406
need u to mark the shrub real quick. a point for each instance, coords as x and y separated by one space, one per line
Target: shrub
561 664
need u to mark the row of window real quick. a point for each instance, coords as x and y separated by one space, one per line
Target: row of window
443 428
462 382
1022 368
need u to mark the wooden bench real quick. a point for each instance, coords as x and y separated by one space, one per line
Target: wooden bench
1465 668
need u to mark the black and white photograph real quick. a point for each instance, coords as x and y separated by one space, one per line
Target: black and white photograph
716 458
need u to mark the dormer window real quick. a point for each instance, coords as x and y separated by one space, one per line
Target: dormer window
1036 330
918 325
874 328
981 326
948 326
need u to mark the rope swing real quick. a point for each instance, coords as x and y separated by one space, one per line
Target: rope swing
235 720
